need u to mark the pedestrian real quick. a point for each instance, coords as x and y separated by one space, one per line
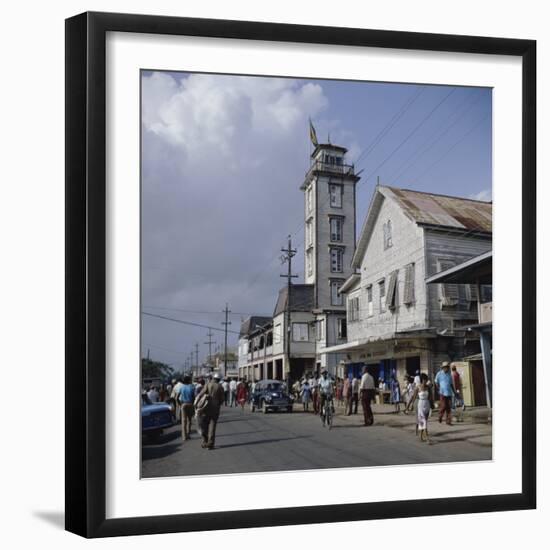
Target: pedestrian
355 388
409 394
186 399
346 394
315 395
395 392
444 385
417 378
174 395
422 392
305 393
210 401
242 393
367 390
233 392
339 391
458 397
225 385
153 394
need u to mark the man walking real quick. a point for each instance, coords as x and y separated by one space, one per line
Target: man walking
346 393
211 412
174 398
355 387
367 390
444 385
458 398
186 398
233 393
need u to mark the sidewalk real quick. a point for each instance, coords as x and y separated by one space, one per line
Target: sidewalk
386 415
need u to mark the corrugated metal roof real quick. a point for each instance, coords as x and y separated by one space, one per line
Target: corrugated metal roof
443 210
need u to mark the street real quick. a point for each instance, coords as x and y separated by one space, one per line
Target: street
257 442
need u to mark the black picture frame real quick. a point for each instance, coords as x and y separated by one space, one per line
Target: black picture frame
86 273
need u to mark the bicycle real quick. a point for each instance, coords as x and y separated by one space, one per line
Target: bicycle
327 412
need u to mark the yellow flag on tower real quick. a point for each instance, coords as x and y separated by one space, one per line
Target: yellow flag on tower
312 134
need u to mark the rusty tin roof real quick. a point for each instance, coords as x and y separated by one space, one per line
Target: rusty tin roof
433 209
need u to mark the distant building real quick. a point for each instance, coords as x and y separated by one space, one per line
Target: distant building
395 321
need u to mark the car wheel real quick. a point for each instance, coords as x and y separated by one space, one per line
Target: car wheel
264 407
289 409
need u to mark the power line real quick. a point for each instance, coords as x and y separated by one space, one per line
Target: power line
417 154
450 148
416 128
186 322
367 151
197 312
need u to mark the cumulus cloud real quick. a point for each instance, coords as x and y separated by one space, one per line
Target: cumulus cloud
223 158
483 195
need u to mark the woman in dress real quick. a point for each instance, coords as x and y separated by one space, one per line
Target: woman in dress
306 395
339 391
422 391
395 395
242 394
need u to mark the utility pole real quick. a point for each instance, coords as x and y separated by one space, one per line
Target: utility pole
289 253
209 344
226 323
197 355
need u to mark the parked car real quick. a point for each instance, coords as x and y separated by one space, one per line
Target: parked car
270 395
155 417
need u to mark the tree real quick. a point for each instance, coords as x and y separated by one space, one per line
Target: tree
155 369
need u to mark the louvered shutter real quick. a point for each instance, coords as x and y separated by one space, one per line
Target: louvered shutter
391 294
408 295
471 293
449 292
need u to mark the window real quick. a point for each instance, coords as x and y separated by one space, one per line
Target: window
336 192
391 295
382 294
309 261
471 293
353 309
336 225
408 294
448 293
336 260
370 305
310 198
388 243
300 332
342 328
309 233
320 330
269 339
335 297
277 333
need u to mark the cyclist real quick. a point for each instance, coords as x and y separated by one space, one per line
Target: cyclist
325 387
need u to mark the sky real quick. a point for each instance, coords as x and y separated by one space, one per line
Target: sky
223 158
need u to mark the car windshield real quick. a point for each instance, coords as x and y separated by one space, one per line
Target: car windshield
274 387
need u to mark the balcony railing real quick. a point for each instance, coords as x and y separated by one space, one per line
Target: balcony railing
319 166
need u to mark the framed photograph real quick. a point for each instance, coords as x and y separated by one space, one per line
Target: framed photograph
284 244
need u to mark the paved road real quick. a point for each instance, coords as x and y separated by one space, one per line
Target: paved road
253 442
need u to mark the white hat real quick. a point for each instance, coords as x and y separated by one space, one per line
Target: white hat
216 376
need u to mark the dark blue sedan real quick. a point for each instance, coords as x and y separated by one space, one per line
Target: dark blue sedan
155 417
270 395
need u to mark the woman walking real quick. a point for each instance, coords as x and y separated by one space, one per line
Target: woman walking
395 392
242 394
422 391
306 395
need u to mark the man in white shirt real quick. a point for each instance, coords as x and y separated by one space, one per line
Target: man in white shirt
233 393
367 390
325 389
225 386
174 398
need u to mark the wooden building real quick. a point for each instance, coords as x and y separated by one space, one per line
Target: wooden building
395 321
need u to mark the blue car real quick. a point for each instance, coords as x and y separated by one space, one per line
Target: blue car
270 395
155 417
